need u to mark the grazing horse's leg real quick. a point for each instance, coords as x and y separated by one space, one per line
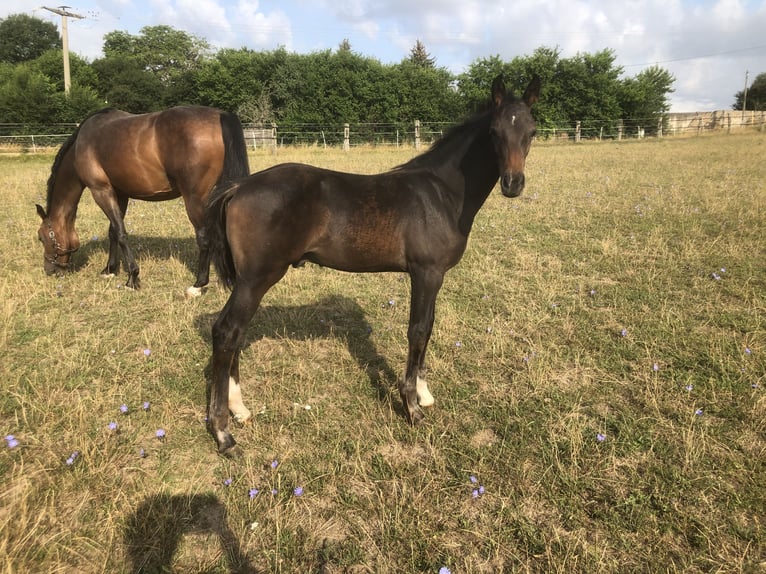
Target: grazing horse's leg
228 336
413 389
113 263
195 209
115 207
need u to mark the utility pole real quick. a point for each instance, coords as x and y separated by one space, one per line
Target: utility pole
744 98
64 13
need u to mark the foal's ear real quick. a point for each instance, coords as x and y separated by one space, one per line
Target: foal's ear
532 93
498 90
41 211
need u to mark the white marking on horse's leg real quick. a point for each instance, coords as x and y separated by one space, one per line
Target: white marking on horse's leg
236 406
107 275
192 292
425 398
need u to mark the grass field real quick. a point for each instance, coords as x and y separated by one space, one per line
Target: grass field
598 362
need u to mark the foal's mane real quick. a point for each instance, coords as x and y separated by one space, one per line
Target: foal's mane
457 136
60 157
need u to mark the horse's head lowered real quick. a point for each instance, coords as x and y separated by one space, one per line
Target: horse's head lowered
512 129
58 244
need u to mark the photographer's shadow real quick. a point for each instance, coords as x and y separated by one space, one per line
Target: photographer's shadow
157 527
332 317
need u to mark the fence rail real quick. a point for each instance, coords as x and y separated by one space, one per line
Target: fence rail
20 138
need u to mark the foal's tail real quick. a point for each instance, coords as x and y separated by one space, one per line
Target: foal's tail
215 229
235 162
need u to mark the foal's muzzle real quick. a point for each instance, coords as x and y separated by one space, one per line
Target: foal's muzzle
512 184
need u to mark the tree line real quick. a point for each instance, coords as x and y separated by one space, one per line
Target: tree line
161 67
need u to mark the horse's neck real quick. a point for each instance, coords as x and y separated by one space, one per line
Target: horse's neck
480 173
65 194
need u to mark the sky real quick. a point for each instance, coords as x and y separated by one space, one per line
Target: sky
709 46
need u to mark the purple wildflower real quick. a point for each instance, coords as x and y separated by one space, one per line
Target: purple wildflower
458 344
274 463
147 405
160 433
112 426
698 412
227 482
298 491
142 453
252 492
124 409
11 441
689 388
600 437
748 351
72 458
274 491
655 367
624 333
473 479
445 570
147 352
475 493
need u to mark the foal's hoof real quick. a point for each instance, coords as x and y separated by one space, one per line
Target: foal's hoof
232 452
416 417
193 292
245 419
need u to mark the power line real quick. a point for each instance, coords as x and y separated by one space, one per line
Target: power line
714 55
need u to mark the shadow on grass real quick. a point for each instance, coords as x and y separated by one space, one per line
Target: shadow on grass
335 316
184 249
155 530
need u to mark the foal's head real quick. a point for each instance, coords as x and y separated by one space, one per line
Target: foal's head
58 244
512 129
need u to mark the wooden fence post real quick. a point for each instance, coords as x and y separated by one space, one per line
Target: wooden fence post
620 126
346 142
417 134
577 131
659 127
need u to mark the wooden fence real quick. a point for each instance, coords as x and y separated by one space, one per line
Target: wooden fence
417 134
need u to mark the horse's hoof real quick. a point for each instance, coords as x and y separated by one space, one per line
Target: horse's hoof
416 417
107 275
245 419
233 452
193 292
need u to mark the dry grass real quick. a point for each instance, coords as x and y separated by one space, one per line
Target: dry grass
547 335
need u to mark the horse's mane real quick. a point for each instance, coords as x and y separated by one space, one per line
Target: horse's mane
459 135
60 156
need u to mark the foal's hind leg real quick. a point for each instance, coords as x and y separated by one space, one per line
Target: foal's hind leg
413 388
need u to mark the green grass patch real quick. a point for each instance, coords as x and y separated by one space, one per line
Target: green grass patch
597 362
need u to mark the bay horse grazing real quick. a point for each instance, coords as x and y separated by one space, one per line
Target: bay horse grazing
183 151
415 219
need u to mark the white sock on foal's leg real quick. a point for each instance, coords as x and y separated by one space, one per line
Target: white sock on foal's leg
425 398
236 406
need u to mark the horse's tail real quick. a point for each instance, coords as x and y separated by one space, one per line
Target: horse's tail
215 229
235 162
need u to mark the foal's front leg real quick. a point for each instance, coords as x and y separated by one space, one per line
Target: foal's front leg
413 388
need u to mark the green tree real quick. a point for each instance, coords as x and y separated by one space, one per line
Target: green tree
27 96
24 38
50 63
172 56
420 56
756 95
425 93
124 84
644 97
